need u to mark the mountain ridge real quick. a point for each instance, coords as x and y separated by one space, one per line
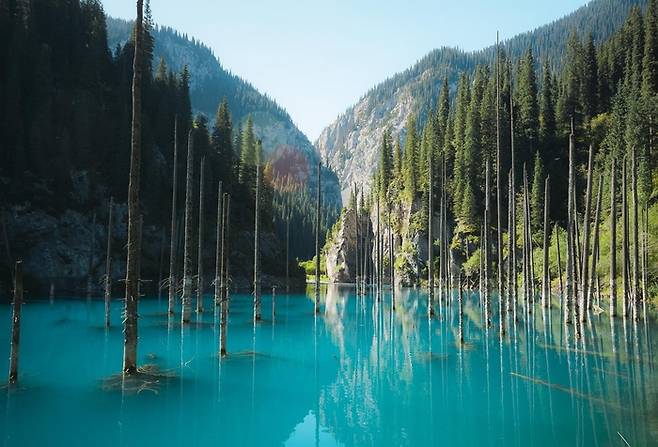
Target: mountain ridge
353 139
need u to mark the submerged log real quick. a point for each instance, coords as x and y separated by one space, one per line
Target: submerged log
625 241
595 249
225 299
585 250
16 322
430 238
636 252
499 207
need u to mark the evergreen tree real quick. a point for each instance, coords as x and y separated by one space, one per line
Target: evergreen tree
650 68
223 145
248 156
527 108
384 174
537 194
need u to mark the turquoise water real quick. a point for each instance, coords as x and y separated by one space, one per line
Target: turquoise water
358 374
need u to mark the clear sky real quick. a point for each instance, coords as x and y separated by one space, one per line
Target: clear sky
316 58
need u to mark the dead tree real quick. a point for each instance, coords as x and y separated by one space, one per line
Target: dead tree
595 249
585 251
257 303
499 206
188 279
613 239
218 248
172 246
546 277
318 204
636 251
132 279
225 301
108 265
430 239
485 242
200 288
16 322
625 241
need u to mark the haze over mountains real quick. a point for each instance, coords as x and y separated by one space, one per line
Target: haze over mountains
351 143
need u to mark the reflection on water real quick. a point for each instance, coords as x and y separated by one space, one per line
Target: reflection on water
360 373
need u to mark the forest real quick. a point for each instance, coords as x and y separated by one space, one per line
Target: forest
501 154
65 152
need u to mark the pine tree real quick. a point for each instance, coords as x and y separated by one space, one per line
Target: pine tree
589 91
385 164
248 155
397 158
222 144
527 108
537 194
650 62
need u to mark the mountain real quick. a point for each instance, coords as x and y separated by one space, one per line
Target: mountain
353 141
210 82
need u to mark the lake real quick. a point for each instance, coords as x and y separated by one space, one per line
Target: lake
360 373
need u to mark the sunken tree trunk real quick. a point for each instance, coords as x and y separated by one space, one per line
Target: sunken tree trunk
499 206
546 277
16 322
172 245
219 246
613 240
317 240
585 251
636 252
132 280
430 241
225 301
108 266
625 241
257 303
90 267
199 288
595 248
188 279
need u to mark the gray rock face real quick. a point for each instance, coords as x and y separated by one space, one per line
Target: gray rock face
341 250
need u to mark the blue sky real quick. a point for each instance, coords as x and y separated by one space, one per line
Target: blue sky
316 58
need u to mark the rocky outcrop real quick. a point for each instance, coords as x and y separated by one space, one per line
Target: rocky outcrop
341 249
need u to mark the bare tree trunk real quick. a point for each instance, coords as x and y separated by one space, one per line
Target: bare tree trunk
595 249
219 246
139 251
430 239
570 228
625 241
585 252
131 299
200 288
546 281
356 229
378 251
515 286
391 253
90 267
486 244
613 239
511 246
288 251
108 265
172 247
636 252
559 262
499 202
225 300
526 255
257 303
188 279
318 203
16 322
